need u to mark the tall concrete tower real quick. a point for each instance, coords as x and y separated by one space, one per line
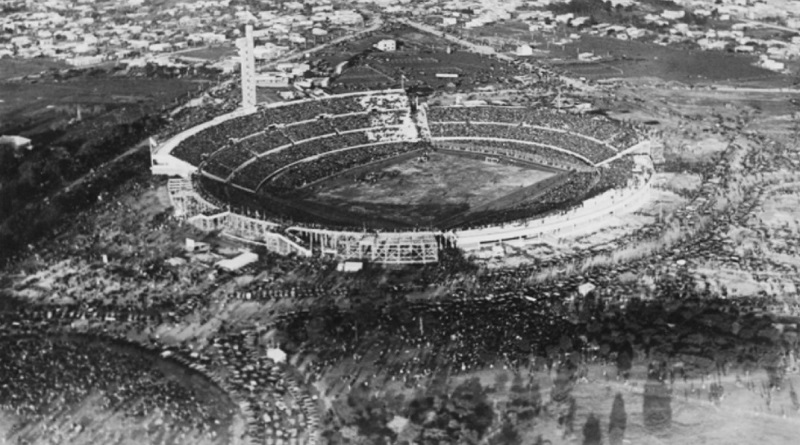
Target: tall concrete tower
248 63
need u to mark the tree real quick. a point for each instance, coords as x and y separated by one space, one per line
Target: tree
500 381
564 382
471 406
617 421
657 409
566 417
625 360
508 435
463 417
591 431
525 402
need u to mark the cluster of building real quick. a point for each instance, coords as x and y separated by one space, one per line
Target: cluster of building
85 32
667 26
135 32
782 10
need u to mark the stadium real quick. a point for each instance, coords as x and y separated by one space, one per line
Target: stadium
385 177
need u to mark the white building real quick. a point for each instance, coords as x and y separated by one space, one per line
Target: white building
524 50
386 45
772 65
564 18
346 17
293 69
80 61
16 142
274 79
674 15
269 51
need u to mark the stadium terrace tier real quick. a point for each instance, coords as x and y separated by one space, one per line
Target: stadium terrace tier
265 176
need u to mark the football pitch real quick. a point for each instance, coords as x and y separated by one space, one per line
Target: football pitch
421 192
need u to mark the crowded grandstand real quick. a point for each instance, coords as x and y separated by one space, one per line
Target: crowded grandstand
264 163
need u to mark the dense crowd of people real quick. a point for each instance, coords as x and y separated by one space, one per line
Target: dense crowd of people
422 68
309 172
591 150
209 140
319 127
594 127
559 195
413 341
55 373
483 318
535 154
253 174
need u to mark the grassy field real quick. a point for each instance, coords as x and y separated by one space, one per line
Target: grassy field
22 98
410 38
213 53
24 107
417 192
638 59
10 68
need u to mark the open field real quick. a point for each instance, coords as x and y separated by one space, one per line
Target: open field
211 53
742 416
28 108
627 59
410 37
11 68
424 191
23 99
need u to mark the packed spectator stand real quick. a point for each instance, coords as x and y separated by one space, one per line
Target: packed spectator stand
261 166
533 153
301 175
253 174
211 139
587 136
593 127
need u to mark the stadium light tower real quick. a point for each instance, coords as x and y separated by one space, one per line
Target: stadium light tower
248 68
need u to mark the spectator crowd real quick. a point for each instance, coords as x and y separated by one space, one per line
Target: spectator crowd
301 175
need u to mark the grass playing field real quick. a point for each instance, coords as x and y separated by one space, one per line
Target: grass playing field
420 193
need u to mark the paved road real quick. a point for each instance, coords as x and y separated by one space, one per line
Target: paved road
725 88
770 25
